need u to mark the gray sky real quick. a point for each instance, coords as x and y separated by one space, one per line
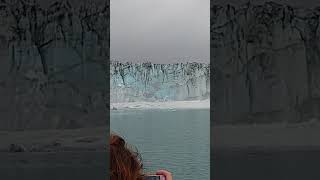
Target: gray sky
161 30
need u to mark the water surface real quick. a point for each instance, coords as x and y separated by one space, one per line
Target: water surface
177 140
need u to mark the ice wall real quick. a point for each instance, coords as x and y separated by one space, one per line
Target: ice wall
53 64
266 61
159 82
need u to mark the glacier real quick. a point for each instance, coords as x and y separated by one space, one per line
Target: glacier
53 67
266 62
148 82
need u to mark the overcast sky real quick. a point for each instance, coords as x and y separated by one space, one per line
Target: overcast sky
161 31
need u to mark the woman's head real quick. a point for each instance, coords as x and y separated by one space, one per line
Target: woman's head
125 163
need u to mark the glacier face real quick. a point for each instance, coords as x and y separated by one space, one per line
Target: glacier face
53 64
132 82
266 62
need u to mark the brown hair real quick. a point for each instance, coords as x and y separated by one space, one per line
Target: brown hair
125 164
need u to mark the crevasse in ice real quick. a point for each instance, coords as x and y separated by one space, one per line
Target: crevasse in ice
132 82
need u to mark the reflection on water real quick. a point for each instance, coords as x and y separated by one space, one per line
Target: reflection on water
173 140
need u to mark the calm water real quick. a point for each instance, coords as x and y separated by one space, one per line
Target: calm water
53 166
251 164
174 140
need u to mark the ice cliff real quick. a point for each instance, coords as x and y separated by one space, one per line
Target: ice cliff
132 82
266 61
53 64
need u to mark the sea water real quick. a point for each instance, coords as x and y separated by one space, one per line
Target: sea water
175 140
